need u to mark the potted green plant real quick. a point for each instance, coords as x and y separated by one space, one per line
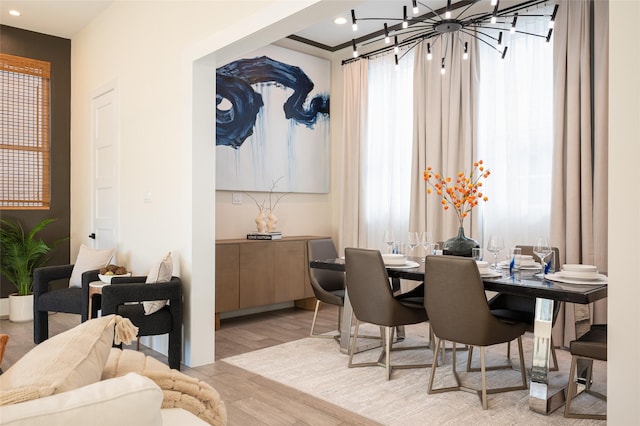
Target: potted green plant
22 252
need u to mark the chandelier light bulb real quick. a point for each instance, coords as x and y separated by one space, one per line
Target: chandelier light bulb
415 7
354 24
387 40
447 14
494 19
405 22
443 70
355 49
494 2
465 54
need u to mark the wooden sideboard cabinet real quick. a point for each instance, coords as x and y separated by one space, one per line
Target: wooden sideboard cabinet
252 273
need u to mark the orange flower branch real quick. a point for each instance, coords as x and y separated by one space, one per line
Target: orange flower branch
464 194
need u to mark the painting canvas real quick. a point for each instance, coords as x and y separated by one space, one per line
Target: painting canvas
272 122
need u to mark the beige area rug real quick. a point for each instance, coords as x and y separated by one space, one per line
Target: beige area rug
316 366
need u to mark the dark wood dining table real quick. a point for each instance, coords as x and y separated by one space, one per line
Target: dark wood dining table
542 399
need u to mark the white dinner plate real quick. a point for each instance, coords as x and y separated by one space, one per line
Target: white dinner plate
586 276
602 279
409 264
490 274
579 268
393 259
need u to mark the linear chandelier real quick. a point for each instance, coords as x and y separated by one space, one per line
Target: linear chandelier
446 25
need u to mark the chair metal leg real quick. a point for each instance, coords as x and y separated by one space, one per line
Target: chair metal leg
571 391
384 359
484 379
430 390
388 337
313 325
484 391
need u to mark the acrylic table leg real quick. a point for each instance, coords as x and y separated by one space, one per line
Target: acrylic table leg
541 400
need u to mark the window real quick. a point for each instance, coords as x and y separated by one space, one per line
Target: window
386 152
515 140
515 137
24 134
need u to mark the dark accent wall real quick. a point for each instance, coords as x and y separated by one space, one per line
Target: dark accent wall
57 51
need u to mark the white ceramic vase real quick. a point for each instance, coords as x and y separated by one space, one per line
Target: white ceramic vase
271 222
20 308
261 224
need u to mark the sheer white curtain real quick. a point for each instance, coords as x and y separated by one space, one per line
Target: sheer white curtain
386 150
354 117
515 139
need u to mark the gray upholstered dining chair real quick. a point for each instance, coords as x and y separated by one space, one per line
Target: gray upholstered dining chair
328 286
373 302
510 307
590 346
458 312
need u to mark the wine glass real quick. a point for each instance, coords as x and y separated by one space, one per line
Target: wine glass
389 239
412 240
495 246
542 249
425 241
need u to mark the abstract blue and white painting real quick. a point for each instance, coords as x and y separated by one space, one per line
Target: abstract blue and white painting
272 122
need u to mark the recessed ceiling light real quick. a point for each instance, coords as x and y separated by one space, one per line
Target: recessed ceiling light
14 12
340 20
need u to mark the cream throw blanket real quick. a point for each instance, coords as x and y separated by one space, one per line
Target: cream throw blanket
180 390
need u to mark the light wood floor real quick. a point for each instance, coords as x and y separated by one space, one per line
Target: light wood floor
250 399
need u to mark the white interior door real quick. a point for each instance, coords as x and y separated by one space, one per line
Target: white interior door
106 166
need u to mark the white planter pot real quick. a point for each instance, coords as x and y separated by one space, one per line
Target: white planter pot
20 308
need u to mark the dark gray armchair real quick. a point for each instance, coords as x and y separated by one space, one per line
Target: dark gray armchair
49 298
168 320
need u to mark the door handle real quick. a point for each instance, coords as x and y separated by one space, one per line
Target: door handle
92 235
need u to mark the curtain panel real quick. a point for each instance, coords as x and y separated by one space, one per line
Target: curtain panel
579 194
444 134
351 228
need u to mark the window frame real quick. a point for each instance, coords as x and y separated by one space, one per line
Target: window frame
25 154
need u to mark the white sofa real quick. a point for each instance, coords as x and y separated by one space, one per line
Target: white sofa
77 378
130 399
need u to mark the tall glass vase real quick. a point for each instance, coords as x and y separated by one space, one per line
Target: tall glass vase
460 245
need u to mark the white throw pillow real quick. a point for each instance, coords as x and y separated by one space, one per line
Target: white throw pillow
127 400
66 361
161 273
88 260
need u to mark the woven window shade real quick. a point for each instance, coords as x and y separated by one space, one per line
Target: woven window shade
24 134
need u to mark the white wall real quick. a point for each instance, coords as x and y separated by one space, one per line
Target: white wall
623 369
159 54
142 46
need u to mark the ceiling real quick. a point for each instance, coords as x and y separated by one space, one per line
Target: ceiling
64 18
60 18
